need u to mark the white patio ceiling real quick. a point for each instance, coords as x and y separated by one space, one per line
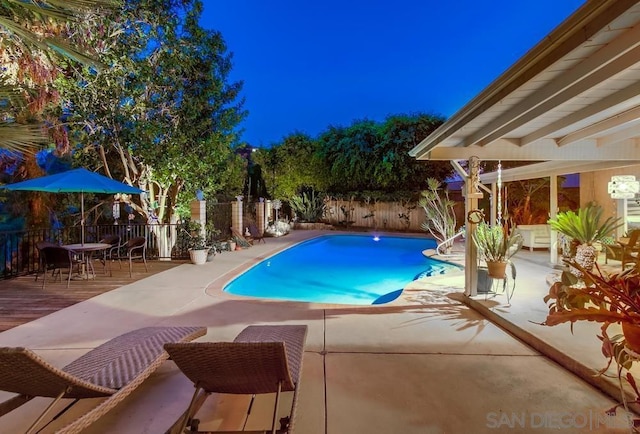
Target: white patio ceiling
573 100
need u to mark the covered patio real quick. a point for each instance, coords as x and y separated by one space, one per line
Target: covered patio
569 105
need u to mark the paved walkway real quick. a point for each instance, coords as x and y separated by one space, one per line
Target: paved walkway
425 363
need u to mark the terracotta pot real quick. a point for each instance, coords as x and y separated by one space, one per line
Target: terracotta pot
497 270
631 334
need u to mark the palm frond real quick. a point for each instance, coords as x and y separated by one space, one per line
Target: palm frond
584 226
16 137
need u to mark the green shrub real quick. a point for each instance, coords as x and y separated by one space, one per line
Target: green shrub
309 207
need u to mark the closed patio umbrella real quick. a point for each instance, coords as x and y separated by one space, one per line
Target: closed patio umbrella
75 181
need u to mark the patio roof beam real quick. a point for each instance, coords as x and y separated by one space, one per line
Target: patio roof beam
546 149
552 168
630 116
614 58
573 32
628 136
629 96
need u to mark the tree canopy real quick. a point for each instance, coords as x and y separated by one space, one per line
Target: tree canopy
163 115
366 156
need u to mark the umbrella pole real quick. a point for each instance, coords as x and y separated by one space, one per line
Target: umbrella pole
82 217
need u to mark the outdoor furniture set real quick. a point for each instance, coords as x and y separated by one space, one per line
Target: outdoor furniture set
535 236
262 359
54 257
624 249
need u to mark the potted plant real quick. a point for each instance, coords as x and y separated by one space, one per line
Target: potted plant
585 229
196 244
606 299
232 244
496 246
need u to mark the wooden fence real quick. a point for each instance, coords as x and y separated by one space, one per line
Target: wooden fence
393 216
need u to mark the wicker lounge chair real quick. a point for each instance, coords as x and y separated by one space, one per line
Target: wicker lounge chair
261 359
113 369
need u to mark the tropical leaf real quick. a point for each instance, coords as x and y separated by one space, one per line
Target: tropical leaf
584 226
16 137
495 244
14 15
585 314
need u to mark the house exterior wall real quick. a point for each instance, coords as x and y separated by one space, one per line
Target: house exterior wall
593 187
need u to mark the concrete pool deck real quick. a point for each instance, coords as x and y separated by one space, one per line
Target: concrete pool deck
425 363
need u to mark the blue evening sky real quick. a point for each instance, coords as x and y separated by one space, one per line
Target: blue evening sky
307 65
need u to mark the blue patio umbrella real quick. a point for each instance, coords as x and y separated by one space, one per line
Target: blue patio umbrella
75 181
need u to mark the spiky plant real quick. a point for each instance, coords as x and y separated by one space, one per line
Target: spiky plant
440 214
495 243
309 207
585 229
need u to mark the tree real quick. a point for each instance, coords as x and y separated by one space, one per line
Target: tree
291 165
30 52
375 156
349 153
396 170
162 117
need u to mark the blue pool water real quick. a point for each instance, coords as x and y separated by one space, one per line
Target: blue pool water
343 269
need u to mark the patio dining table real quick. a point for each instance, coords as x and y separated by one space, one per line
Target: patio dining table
86 251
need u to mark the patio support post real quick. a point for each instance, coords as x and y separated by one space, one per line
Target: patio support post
621 212
553 212
471 195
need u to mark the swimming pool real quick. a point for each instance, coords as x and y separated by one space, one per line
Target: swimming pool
342 269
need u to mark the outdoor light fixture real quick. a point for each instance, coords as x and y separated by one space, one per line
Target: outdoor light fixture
623 187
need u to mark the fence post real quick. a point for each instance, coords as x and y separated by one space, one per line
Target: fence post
268 213
199 214
261 221
236 215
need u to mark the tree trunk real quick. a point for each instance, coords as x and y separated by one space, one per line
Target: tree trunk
166 236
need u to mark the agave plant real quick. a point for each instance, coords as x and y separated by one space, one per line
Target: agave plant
309 207
585 229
